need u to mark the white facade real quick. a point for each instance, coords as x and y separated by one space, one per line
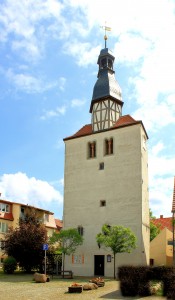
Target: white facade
107 189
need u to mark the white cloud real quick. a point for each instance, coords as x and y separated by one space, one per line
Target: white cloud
156 149
23 20
28 49
61 83
29 83
161 166
137 45
161 177
161 195
53 113
83 53
156 115
77 102
22 189
58 183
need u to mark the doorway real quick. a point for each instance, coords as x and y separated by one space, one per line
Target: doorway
99 265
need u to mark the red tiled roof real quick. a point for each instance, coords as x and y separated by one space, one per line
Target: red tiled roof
59 223
126 120
163 223
173 204
85 130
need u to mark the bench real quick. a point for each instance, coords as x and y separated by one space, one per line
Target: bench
67 274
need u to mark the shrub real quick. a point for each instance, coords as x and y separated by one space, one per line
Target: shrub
134 280
9 265
137 280
128 288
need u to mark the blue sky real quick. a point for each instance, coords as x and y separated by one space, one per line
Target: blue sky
48 67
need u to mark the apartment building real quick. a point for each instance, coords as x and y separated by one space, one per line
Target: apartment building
11 212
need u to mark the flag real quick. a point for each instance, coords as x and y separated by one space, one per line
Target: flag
107 28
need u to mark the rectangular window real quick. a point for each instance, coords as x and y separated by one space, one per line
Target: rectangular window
22 214
46 217
109 146
101 166
81 230
91 149
3 227
102 203
22 209
4 207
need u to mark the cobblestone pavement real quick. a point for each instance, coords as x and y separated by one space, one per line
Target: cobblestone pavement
24 288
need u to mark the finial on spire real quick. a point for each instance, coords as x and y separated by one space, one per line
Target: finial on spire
106 28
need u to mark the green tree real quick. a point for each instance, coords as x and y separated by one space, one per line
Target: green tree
118 238
66 242
154 229
25 242
9 265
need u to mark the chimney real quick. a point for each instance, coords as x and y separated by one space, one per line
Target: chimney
161 216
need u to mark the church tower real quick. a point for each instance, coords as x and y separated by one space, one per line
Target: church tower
106 178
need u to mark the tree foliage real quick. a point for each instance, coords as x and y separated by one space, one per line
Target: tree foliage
25 242
118 238
154 229
66 242
9 265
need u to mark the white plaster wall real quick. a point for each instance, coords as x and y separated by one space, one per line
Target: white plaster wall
120 184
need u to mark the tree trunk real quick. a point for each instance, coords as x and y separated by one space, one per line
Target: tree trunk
63 263
114 266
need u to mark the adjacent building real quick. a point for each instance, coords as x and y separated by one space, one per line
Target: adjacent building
106 178
161 247
11 212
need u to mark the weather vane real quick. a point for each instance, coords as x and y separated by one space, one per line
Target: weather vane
106 28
